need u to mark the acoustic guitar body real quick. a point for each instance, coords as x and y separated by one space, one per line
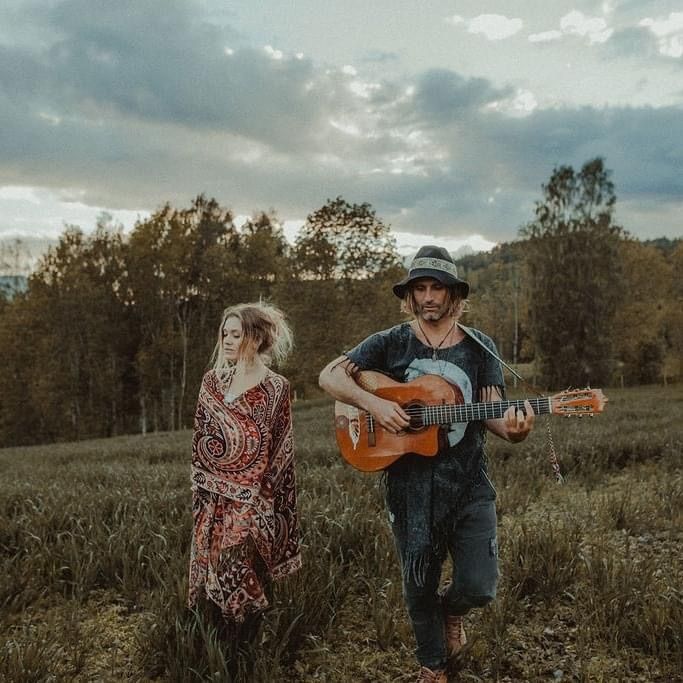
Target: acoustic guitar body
366 445
431 401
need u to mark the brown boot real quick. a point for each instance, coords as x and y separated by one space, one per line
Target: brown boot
429 676
453 626
455 634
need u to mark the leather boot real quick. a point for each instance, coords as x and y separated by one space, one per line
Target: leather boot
455 634
429 676
453 627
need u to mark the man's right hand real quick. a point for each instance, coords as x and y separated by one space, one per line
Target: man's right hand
389 414
337 380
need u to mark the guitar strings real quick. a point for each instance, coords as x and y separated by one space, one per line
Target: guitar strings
518 403
421 411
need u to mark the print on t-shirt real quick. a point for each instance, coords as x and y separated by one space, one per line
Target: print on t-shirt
452 373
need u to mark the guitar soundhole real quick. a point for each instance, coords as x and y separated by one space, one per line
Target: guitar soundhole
416 412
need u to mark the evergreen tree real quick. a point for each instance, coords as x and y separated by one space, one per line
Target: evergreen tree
575 276
263 256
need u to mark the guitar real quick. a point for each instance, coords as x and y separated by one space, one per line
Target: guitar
431 402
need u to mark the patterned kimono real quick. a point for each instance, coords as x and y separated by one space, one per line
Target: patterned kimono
243 494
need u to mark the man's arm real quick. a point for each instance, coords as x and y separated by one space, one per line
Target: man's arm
515 425
337 379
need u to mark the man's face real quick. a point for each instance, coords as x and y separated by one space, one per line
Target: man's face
431 298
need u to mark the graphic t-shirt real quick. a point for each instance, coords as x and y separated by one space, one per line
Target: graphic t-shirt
424 494
398 352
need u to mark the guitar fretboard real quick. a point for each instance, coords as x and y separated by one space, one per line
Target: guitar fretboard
467 412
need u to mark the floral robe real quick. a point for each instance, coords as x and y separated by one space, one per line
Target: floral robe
243 494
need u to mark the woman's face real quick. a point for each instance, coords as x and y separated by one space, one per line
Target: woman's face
231 336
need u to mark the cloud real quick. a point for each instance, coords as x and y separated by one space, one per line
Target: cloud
29 207
545 36
444 96
380 57
455 19
593 28
493 155
491 26
127 108
633 41
522 103
495 26
669 33
158 61
576 23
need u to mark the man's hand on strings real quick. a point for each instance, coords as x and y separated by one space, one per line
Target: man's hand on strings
390 415
518 423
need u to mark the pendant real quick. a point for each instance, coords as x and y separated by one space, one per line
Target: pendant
434 355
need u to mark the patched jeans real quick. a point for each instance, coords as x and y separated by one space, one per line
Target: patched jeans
473 548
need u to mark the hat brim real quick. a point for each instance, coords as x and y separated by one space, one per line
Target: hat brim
444 278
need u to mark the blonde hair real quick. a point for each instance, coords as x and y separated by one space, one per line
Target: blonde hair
265 332
457 304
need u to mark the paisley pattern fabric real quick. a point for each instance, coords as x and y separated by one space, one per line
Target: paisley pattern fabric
243 494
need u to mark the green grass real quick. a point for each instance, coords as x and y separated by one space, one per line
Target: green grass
94 541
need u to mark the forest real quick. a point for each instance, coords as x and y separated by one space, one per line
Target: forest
114 330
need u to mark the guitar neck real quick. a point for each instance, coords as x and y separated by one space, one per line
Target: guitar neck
468 412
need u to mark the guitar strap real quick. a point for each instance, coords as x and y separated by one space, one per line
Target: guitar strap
554 463
474 337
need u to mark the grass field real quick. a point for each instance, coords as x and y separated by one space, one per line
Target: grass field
94 541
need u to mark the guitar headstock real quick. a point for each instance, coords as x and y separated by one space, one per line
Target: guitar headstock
578 402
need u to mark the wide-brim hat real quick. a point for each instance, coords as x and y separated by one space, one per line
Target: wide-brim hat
436 262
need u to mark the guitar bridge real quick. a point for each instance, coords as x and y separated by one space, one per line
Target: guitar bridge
372 438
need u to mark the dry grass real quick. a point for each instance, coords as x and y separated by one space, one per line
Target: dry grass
94 541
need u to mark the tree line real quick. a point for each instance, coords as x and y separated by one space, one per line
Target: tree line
114 331
577 295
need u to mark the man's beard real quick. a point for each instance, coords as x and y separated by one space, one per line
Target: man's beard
433 315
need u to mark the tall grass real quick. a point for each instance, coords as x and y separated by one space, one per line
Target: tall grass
94 549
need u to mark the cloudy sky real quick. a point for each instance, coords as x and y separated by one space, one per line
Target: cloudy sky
445 116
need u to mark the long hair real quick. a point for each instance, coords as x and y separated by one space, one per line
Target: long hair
265 332
456 303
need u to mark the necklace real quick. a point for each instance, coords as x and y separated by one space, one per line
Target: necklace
429 341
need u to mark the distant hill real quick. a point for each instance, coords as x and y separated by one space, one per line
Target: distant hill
508 252
664 244
12 284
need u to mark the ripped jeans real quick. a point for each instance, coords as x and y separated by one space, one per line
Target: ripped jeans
473 549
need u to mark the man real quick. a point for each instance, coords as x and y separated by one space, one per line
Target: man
442 504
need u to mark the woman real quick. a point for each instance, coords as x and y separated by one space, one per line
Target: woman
243 489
